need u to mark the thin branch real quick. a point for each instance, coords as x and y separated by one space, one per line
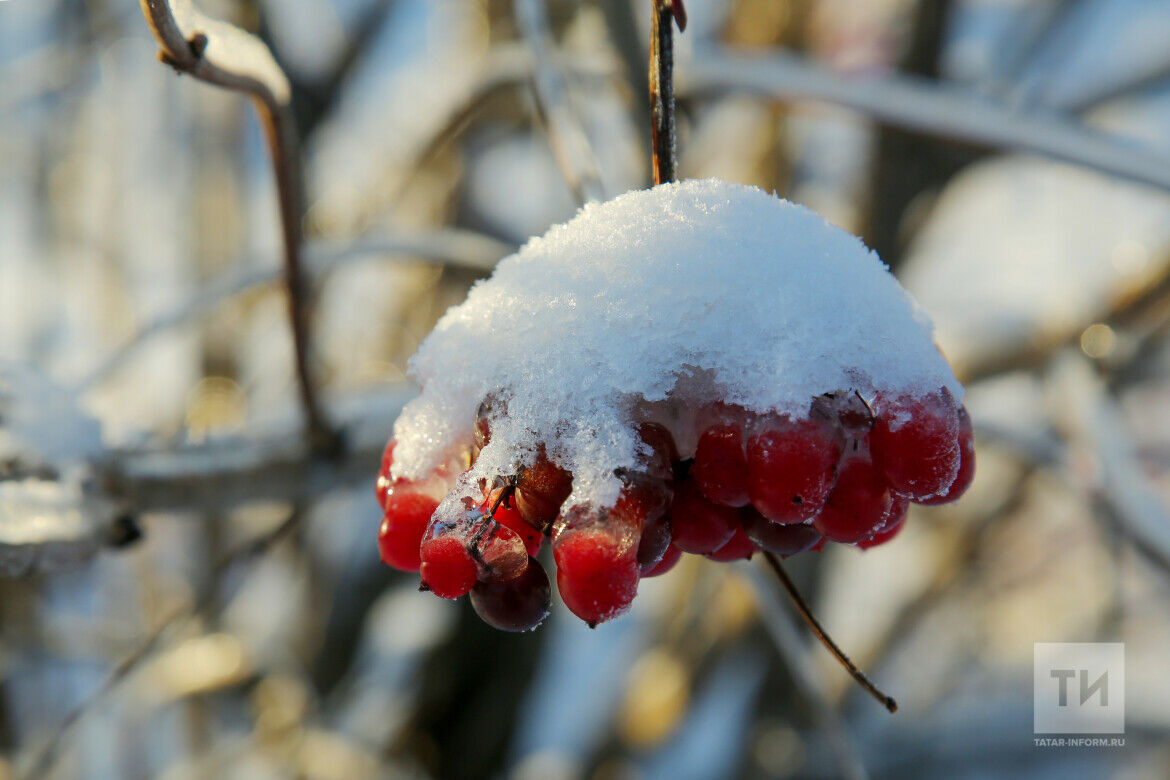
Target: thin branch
220 54
663 135
270 464
566 136
449 247
928 108
785 635
1132 309
806 613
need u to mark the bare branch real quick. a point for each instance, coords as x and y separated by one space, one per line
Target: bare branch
566 136
788 641
663 135
221 54
452 247
928 108
270 465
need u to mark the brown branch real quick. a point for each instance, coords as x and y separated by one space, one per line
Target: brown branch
663 137
223 55
806 613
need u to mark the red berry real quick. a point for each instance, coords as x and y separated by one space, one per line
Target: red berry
448 570
402 529
541 489
914 442
966 471
858 504
739 547
882 536
780 538
720 469
499 551
512 519
597 574
790 469
384 485
697 525
669 558
519 604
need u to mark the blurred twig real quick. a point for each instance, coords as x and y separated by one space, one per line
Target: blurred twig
566 135
274 464
927 108
459 248
787 638
226 56
663 137
1129 309
820 633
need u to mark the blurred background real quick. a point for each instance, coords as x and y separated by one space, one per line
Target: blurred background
186 593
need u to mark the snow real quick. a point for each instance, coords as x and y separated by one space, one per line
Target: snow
647 307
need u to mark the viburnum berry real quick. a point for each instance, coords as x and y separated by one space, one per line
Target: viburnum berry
780 538
518 604
720 469
914 442
403 525
653 544
738 547
385 484
791 468
447 570
597 569
669 558
883 536
966 472
858 504
697 525
511 519
541 489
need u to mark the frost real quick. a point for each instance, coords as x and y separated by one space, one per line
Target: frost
651 305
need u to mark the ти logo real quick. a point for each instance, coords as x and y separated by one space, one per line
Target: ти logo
1079 688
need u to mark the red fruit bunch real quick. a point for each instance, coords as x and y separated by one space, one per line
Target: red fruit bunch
844 473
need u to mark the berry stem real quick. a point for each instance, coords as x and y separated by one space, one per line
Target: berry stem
806 613
663 140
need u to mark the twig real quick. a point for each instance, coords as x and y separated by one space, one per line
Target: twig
784 633
663 138
226 56
257 465
806 613
928 108
457 248
566 136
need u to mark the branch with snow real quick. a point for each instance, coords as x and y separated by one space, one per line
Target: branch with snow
221 54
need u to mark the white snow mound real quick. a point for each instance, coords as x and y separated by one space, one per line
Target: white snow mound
658 301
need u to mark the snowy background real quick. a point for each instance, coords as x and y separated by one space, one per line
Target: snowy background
1010 160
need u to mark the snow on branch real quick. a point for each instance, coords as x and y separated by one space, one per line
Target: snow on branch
220 54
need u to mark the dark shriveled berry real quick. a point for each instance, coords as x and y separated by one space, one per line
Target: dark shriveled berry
669 558
739 547
780 538
519 604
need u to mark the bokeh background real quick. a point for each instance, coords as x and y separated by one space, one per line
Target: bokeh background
187 594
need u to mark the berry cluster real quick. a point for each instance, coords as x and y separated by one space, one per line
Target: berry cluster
845 473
